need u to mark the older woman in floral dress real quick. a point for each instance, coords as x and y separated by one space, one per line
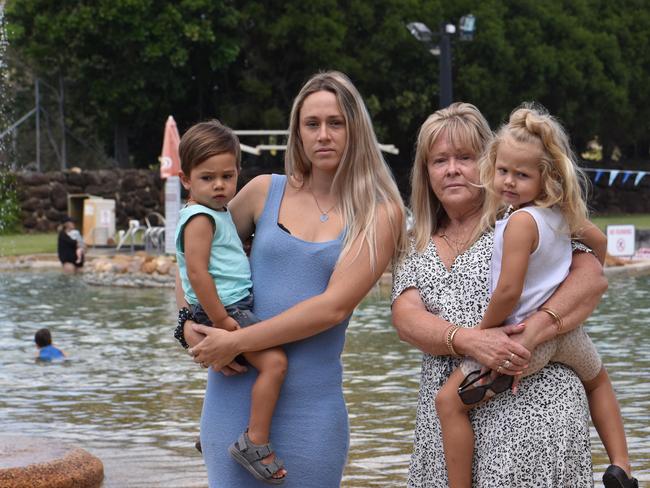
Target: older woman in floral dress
540 436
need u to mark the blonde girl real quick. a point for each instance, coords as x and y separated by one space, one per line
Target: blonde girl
530 168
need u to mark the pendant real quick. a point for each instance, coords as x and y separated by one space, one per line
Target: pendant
324 218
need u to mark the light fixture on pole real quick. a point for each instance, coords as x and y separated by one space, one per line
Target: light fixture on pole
422 33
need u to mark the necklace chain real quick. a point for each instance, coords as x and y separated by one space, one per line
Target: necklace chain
324 217
454 244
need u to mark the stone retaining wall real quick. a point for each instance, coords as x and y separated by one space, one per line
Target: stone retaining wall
44 196
138 192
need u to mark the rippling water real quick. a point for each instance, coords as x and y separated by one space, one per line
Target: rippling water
130 396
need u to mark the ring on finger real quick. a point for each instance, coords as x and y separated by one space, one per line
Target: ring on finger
506 364
499 370
512 356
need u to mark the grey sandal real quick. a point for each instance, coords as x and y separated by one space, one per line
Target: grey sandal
250 456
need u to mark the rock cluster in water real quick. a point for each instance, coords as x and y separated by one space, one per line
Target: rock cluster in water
138 270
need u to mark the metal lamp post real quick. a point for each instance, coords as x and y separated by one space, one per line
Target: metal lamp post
422 33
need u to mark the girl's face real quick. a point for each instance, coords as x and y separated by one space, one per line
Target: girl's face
453 175
322 131
517 177
213 182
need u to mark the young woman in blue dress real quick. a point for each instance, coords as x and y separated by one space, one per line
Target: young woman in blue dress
323 234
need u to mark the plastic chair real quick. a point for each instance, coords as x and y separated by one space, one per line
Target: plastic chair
130 233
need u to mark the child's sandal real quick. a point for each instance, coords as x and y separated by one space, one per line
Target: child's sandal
250 456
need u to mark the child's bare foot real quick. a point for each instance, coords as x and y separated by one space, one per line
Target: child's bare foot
255 439
280 473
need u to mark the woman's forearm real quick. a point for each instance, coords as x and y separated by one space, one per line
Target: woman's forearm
306 319
574 300
418 327
430 333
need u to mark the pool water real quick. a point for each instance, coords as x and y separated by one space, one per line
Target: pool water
131 396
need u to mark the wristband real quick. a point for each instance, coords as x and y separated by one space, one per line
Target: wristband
184 315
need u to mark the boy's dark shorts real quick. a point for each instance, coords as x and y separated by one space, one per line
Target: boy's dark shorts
241 311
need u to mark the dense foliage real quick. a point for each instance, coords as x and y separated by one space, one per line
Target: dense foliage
9 206
130 63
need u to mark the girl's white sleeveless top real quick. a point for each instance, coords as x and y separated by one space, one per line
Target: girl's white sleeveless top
548 265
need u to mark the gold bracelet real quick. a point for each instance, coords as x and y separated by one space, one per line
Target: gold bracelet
450 333
451 341
559 324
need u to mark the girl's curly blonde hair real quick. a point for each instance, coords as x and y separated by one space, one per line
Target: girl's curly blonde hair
563 183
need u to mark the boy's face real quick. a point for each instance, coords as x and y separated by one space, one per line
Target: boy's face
213 182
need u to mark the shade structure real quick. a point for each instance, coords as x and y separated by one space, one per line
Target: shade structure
170 163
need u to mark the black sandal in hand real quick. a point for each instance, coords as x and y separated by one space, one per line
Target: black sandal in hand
616 477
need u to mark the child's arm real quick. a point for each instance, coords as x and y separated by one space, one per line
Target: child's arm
519 241
197 238
191 336
592 237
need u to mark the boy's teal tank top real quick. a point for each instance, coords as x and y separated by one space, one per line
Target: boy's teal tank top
228 263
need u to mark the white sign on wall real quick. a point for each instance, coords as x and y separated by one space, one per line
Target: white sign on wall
620 240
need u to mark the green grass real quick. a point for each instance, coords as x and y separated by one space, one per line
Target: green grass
20 244
640 221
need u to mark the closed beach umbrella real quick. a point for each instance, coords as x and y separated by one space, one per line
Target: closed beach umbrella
170 165
169 161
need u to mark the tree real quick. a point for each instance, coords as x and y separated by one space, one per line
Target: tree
126 62
284 42
584 60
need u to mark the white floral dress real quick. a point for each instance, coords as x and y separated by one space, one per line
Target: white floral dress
538 438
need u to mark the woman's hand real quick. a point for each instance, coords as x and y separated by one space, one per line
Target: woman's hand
218 349
495 348
194 338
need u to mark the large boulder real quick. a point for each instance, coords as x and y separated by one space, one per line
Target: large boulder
41 191
28 462
32 178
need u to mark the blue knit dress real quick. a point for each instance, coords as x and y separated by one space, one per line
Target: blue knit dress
310 426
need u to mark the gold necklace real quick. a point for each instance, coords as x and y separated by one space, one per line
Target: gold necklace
457 246
323 213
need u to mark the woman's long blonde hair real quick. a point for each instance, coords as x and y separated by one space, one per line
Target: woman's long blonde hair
563 183
363 181
465 127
